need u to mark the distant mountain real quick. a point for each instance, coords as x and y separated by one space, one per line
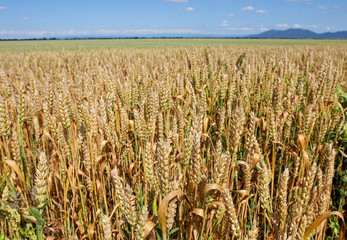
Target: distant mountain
299 33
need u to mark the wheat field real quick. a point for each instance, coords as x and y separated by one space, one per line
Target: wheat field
174 143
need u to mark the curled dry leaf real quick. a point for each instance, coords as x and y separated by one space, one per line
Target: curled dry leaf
321 219
163 207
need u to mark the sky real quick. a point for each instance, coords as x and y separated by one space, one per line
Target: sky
120 18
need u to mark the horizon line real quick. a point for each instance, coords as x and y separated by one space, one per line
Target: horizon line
177 37
183 35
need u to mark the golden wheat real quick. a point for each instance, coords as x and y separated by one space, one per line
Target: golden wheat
198 143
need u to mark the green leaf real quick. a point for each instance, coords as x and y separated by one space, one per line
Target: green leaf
159 233
8 211
32 218
342 93
240 60
342 97
137 193
28 232
334 225
173 231
125 233
37 215
45 204
3 237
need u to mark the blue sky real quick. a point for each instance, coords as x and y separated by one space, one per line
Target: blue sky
53 18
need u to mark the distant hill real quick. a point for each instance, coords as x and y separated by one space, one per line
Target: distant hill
299 33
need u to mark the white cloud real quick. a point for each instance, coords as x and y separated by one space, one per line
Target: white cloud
25 18
176 1
261 11
231 15
263 29
189 9
107 31
322 7
297 26
26 33
3 8
328 28
241 29
249 8
313 26
84 32
68 32
225 23
337 9
146 31
282 25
